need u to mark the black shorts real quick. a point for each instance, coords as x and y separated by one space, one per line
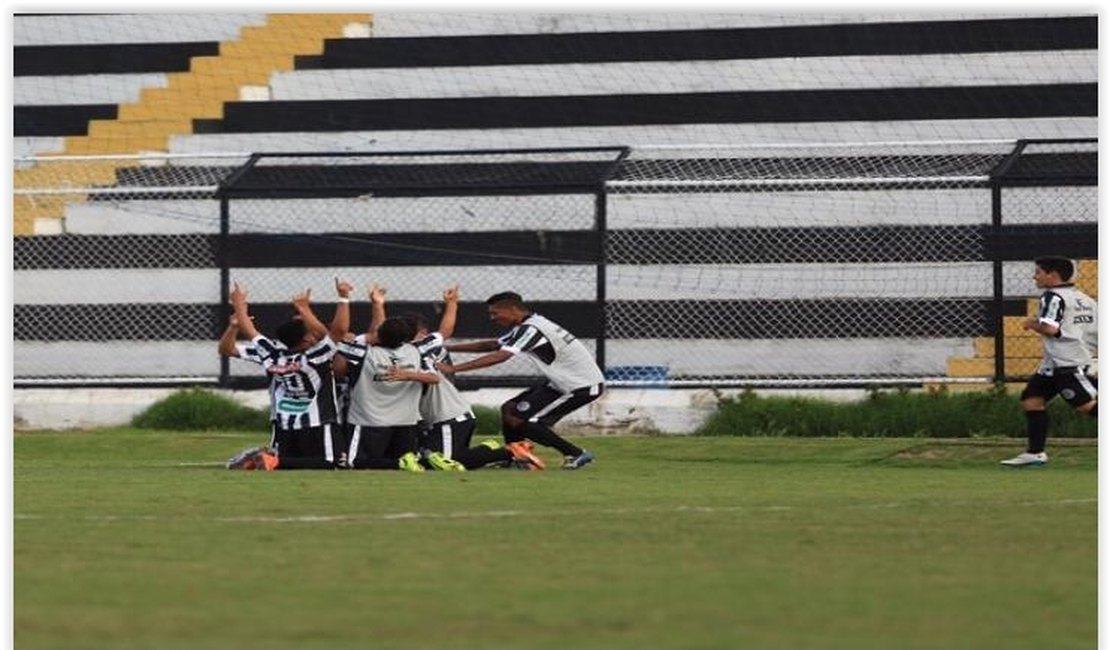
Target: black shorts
380 442
323 442
547 405
1075 387
449 437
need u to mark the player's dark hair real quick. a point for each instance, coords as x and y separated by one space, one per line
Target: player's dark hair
394 332
1062 266
292 333
417 320
506 299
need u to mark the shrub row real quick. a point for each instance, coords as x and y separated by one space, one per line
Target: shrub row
899 413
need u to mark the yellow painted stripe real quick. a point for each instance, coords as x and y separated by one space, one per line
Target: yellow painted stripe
160 113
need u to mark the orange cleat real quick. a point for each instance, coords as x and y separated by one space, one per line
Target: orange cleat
522 453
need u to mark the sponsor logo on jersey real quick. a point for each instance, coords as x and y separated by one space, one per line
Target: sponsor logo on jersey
293 405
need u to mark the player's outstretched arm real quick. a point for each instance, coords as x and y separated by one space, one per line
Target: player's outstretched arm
397 373
341 321
485 345
450 312
301 304
491 359
242 318
377 312
227 345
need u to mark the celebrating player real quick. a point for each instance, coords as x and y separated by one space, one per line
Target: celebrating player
573 378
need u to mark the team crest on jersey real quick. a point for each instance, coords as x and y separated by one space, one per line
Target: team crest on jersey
1067 393
523 406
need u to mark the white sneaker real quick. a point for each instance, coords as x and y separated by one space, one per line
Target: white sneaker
1026 459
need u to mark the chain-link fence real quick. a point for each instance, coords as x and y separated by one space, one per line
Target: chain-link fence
772 265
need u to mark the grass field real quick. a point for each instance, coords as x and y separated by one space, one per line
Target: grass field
133 539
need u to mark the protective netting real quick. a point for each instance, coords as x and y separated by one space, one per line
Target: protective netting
811 264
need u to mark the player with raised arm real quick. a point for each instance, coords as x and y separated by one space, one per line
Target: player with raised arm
302 389
1067 320
573 378
386 378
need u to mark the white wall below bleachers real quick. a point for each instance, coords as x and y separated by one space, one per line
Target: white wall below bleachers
679 411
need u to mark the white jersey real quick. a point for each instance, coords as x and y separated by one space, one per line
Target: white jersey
376 402
439 402
562 358
1076 314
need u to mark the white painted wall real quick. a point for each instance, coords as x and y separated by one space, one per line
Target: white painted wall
618 411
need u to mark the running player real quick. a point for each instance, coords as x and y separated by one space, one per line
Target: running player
573 378
1067 320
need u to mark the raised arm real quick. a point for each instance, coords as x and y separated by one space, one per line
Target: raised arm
229 337
242 318
450 312
341 321
301 304
377 313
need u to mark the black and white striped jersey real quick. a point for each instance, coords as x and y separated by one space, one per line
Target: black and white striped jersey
1076 314
439 402
565 361
375 401
302 386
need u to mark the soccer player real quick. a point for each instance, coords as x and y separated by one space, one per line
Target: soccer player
448 417
573 378
302 388
386 377
1067 322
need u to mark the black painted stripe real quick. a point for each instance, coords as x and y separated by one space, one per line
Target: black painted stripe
1063 168
901 38
685 319
1026 242
832 245
108 58
55 121
868 104
415 249
115 252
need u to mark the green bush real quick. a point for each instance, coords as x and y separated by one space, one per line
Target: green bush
899 413
488 423
198 409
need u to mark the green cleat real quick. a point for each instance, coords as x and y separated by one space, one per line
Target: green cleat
441 463
410 463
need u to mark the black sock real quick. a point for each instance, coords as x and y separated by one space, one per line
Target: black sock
1036 426
543 435
480 456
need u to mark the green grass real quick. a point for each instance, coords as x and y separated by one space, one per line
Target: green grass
665 542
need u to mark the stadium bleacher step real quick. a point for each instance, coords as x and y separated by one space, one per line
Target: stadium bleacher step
147 125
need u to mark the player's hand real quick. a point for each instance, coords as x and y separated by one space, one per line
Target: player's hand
397 373
451 294
377 294
1029 324
238 294
445 368
343 288
301 300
